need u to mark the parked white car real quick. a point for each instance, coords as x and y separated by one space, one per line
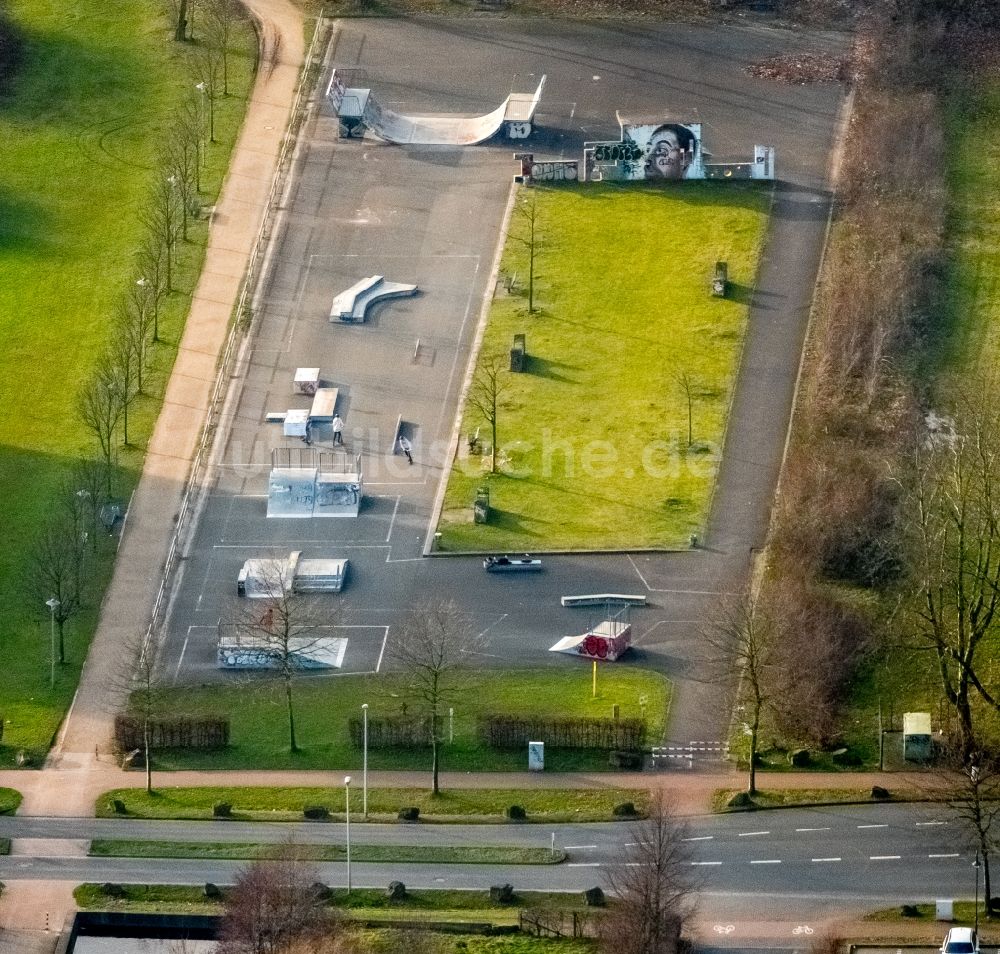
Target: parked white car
960 941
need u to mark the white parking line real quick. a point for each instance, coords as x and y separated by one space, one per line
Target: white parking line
749 834
818 860
883 857
952 855
767 861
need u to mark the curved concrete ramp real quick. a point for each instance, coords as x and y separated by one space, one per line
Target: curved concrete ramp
514 115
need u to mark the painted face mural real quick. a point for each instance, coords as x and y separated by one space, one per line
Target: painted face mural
669 151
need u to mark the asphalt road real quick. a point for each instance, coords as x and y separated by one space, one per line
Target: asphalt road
432 215
884 854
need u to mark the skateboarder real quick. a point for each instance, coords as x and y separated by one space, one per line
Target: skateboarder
338 430
405 446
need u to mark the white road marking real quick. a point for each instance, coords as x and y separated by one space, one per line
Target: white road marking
705 863
584 864
883 857
381 652
699 838
577 847
818 860
767 861
749 834
812 829
928 824
952 855
873 826
392 521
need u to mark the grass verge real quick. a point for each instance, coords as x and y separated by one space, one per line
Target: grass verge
324 706
10 801
964 912
793 797
361 903
594 436
286 804
88 108
408 854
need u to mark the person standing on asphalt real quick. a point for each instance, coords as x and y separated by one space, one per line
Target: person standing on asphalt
405 446
338 430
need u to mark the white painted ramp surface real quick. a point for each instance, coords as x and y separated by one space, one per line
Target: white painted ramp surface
448 129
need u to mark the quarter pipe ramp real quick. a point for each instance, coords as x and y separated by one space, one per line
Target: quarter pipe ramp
359 110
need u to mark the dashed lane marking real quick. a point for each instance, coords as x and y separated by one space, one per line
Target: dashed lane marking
883 857
928 824
953 854
750 834
812 829
873 826
820 860
699 838
767 861
704 864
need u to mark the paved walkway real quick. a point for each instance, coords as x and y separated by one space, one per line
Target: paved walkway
68 783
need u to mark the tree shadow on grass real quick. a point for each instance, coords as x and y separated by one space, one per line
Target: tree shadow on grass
24 225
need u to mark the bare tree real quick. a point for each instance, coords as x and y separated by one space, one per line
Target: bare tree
180 20
151 261
488 388
274 904
100 409
972 788
955 542
87 483
286 625
653 887
744 654
528 235
430 647
182 157
208 68
125 365
220 17
687 389
163 217
136 323
56 563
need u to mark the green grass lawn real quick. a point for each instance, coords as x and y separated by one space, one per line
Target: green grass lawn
550 805
594 434
79 134
10 800
248 851
259 737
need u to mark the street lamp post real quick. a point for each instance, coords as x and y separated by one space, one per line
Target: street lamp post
977 864
347 815
364 764
53 604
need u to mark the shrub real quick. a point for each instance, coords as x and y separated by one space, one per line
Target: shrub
409 814
624 810
112 890
516 813
209 732
910 911
800 758
741 800
502 894
391 732
625 760
879 793
847 758
119 807
321 892
222 810
594 897
316 812
4 846
510 732
212 891
396 891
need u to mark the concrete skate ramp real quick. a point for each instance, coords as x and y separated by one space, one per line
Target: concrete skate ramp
449 129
